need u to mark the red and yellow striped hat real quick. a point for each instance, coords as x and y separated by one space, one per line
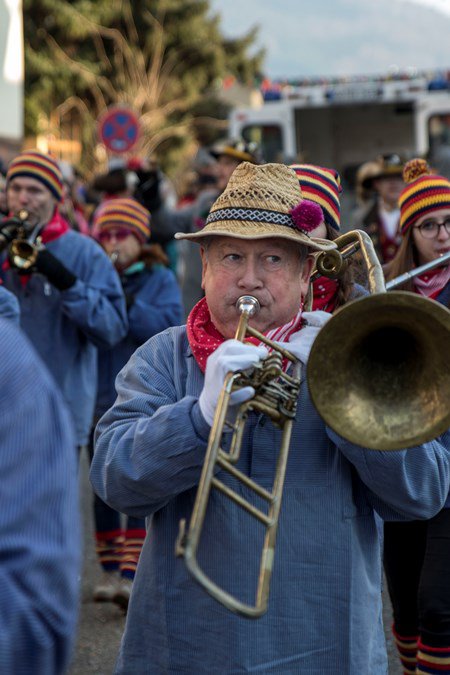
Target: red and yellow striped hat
425 192
323 186
127 213
41 167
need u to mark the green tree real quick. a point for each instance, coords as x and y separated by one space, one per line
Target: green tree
164 58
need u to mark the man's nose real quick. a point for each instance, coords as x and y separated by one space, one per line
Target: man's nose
23 197
250 275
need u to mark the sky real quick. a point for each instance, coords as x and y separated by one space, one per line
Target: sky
343 37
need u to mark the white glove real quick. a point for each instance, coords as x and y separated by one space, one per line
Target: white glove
232 355
300 343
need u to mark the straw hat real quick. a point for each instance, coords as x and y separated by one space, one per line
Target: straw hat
262 201
238 150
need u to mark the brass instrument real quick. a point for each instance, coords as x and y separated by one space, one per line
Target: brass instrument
10 226
276 396
402 278
378 370
377 373
23 249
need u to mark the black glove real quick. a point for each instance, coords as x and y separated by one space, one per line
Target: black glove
54 270
9 228
147 190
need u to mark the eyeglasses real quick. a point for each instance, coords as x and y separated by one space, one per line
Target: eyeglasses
430 228
119 234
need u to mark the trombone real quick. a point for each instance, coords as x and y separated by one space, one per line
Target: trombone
377 373
378 370
402 278
276 396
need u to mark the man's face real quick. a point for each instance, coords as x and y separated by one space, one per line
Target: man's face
30 194
225 167
389 189
269 269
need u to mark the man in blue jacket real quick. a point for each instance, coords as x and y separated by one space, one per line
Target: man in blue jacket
71 300
324 614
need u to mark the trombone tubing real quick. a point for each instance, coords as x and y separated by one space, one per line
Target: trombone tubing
402 278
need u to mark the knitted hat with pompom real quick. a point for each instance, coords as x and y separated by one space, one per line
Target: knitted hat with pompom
125 213
424 193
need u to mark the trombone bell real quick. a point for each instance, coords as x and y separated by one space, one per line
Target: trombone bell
379 374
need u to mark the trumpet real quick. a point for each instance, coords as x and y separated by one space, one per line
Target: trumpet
22 239
276 396
9 227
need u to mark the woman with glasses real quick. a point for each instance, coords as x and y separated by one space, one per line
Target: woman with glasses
417 553
153 304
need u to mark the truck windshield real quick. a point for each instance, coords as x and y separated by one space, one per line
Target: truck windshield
439 143
269 138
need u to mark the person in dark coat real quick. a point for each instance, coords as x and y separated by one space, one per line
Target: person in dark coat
380 215
417 553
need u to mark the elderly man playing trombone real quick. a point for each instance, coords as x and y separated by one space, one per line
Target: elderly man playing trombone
324 610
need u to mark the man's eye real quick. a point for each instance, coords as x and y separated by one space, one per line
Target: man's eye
232 257
273 259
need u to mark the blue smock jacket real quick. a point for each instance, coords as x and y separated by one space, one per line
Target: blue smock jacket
67 326
325 609
156 305
39 516
9 306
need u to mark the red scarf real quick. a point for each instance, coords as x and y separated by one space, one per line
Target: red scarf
431 283
204 338
325 294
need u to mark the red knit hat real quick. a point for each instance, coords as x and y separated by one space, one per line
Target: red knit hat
323 186
41 167
126 213
425 192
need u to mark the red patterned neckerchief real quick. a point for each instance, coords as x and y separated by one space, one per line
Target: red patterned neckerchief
431 283
204 338
325 294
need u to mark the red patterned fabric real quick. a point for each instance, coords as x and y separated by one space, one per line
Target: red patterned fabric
325 294
432 282
204 338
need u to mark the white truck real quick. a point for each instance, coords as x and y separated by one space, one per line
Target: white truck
11 79
342 124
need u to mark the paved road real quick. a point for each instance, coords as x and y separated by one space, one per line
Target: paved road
101 624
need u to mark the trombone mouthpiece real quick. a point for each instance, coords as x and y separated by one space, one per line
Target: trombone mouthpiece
248 304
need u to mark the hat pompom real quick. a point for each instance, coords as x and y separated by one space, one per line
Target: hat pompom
414 169
307 215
